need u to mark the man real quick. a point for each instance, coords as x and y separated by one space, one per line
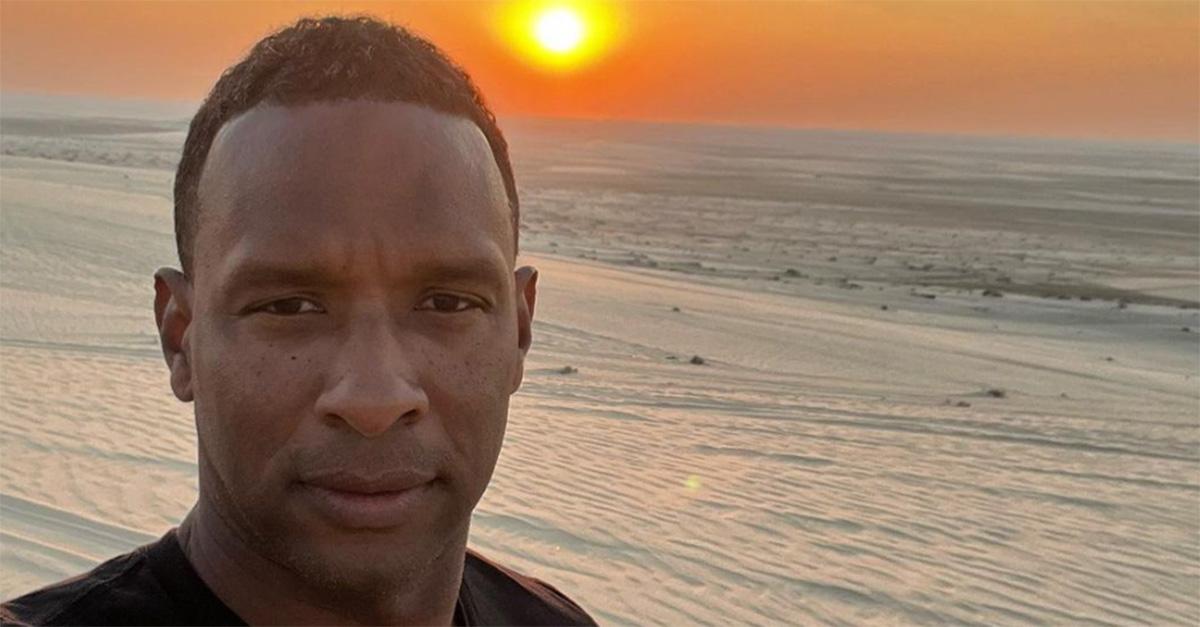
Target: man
349 323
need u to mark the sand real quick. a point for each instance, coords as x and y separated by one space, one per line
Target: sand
1032 457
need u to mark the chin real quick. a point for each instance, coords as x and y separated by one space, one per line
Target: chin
356 574
364 562
357 567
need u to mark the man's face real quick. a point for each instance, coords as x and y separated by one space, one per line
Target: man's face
356 330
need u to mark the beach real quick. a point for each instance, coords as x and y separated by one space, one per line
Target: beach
778 376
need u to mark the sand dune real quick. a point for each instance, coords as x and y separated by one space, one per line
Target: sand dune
962 458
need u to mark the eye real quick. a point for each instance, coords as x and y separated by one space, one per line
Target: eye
447 303
291 307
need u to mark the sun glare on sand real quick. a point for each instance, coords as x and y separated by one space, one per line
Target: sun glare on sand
562 35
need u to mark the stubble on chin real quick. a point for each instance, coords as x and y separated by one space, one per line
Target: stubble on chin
346 571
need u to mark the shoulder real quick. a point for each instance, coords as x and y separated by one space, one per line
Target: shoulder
494 594
151 585
99 596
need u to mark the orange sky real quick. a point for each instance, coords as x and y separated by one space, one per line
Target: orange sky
1103 69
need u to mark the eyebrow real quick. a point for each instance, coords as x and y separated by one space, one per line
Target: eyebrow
259 273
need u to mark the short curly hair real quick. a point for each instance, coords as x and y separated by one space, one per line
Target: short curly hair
330 59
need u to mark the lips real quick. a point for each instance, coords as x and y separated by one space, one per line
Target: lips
392 481
359 501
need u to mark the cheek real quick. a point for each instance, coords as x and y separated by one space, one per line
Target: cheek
470 397
250 397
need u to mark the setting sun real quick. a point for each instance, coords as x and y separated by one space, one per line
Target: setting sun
559 30
562 35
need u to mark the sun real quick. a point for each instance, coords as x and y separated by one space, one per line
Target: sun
560 36
559 30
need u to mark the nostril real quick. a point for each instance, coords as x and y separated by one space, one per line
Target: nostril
368 426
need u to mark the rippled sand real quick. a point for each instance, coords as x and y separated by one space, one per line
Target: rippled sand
830 461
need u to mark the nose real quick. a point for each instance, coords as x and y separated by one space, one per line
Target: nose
376 383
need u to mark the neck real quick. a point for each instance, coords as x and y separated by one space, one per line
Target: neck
263 591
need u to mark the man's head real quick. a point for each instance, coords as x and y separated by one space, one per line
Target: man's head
329 59
349 322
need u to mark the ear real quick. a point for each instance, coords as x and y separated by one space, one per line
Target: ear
526 290
173 314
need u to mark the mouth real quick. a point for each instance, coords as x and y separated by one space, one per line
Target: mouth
359 502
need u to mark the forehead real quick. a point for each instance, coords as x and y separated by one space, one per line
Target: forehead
335 181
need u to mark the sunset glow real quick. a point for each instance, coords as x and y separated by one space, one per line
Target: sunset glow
1086 69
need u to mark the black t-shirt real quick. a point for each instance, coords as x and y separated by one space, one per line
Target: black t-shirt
156 585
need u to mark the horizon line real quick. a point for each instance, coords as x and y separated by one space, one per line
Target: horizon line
193 104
